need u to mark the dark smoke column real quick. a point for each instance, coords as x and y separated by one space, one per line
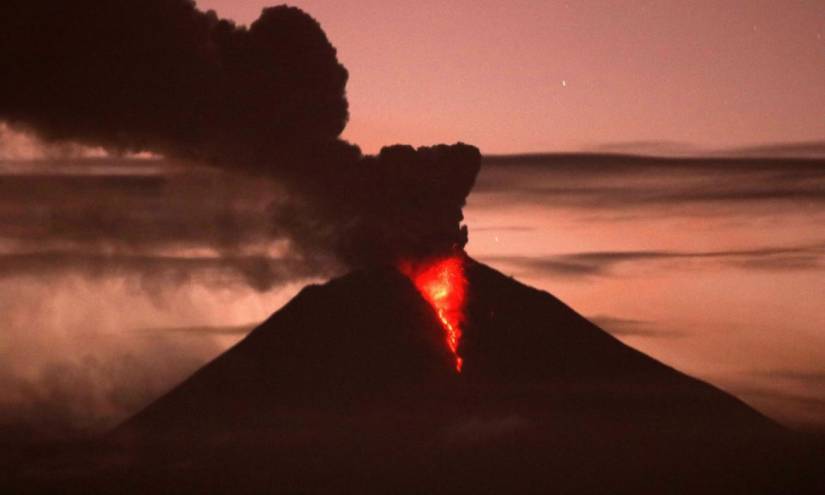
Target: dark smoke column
408 203
161 76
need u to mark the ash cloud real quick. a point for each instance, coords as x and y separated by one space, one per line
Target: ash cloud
161 75
266 100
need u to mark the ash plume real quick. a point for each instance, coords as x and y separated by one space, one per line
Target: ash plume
267 100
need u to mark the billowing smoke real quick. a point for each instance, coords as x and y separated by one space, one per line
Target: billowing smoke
159 75
163 77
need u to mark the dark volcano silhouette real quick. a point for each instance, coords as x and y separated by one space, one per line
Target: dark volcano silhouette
369 340
351 388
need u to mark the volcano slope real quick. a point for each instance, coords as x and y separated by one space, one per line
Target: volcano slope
351 387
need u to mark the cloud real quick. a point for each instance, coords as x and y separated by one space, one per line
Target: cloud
133 203
799 410
258 272
109 217
21 146
603 263
53 387
82 353
804 149
626 327
159 75
543 265
650 148
807 378
73 397
622 182
202 330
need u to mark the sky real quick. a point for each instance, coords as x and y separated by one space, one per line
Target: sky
121 275
527 75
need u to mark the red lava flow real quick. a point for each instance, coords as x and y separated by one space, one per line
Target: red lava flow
442 284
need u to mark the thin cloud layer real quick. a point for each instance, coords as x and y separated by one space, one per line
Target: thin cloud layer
157 219
629 327
604 263
625 182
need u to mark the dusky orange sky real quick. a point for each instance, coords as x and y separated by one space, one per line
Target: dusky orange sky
523 75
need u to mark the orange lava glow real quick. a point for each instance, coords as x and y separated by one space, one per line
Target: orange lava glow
442 284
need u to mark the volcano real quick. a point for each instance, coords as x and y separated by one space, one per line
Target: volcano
350 387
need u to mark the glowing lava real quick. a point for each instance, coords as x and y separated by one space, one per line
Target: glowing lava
442 283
